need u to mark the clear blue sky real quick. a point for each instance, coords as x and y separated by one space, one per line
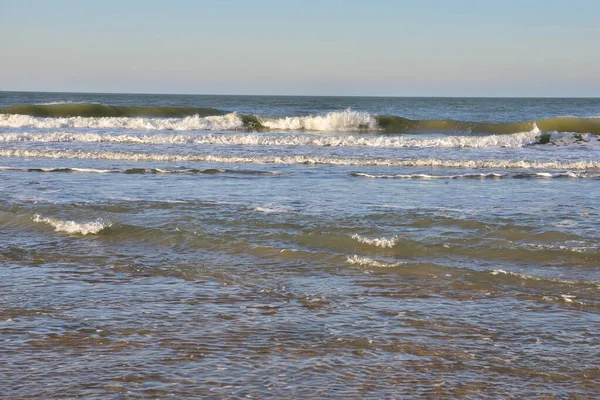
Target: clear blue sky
335 47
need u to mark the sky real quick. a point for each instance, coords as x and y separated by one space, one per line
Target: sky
328 47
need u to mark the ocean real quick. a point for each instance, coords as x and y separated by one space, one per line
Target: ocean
156 246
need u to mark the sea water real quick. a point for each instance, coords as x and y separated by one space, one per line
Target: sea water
298 247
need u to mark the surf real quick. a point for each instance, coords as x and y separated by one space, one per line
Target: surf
301 159
90 115
517 140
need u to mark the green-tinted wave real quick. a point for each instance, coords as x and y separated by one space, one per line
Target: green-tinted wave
65 110
395 124
346 121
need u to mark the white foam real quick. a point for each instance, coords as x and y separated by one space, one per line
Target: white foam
493 175
378 242
369 262
72 227
505 141
488 175
230 121
347 120
95 171
243 159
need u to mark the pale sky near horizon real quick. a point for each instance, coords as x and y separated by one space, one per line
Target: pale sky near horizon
335 47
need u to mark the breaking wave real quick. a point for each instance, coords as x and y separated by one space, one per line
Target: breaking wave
72 227
369 262
89 115
516 140
232 121
377 242
348 120
300 159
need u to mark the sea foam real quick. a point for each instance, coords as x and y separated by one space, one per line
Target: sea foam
72 227
516 140
232 121
377 242
301 159
347 120
487 175
369 262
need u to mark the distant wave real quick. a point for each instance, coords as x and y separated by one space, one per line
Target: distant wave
65 110
89 115
391 123
515 140
273 159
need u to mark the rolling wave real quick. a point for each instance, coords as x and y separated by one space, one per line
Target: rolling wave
65 110
300 159
232 121
88 115
392 123
496 274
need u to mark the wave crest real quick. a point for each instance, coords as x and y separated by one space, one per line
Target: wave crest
232 121
337 121
377 242
369 262
72 227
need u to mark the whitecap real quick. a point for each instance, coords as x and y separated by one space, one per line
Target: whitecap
378 242
72 227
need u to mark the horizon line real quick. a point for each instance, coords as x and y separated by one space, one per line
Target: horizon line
302 95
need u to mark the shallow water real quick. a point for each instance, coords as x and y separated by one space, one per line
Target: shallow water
216 260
